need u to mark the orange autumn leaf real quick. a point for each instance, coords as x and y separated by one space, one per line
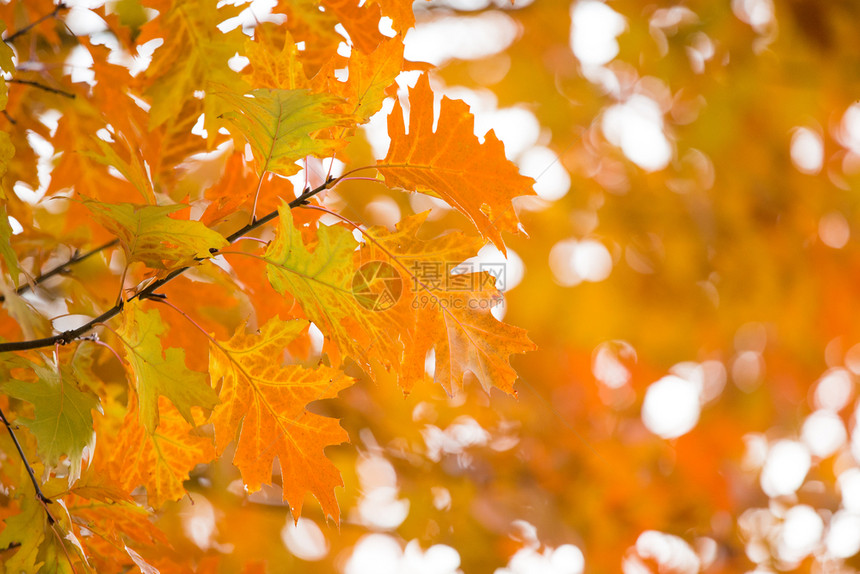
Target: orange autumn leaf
268 402
159 460
453 312
370 79
452 164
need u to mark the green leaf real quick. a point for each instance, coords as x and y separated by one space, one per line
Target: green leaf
280 125
321 281
158 372
148 235
63 423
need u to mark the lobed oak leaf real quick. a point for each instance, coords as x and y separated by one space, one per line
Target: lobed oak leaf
400 12
269 401
194 54
63 419
159 459
452 313
148 235
132 170
280 125
27 529
158 372
360 20
322 283
452 164
110 525
370 78
273 67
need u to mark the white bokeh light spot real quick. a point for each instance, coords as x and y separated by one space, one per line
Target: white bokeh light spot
824 433
807 151
834 390
593 32
833 229
843 539
671 406
802 529
551 179
785 469
304 539
636 126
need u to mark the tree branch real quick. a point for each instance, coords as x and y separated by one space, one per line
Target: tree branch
39 494
57 9
62 267
49 89
67 337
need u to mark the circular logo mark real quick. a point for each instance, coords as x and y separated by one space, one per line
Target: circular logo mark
377 286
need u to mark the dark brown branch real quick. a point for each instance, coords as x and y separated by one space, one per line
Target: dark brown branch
49 89
57 9
39 494
62 267
67 337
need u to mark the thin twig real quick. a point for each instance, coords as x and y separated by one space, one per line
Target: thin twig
57 91
39 494
57 9
62 267
67 337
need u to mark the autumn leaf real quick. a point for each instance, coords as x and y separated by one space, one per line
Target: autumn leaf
132 170
109 523
269 400
279 125
26 528
161 459
159 372
453 318
369 80
452 164
148 235
63 421
361 21
273 66
321 282
194 55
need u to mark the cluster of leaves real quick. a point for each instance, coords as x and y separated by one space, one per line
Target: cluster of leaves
178 331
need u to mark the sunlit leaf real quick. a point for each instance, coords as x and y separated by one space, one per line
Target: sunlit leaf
160 372
147 234
452 164
269 401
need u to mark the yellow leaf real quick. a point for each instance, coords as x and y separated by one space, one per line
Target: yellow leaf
280 125
321 281
158 372
148 235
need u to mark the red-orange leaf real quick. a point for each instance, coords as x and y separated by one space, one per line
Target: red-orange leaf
269 401
451 163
